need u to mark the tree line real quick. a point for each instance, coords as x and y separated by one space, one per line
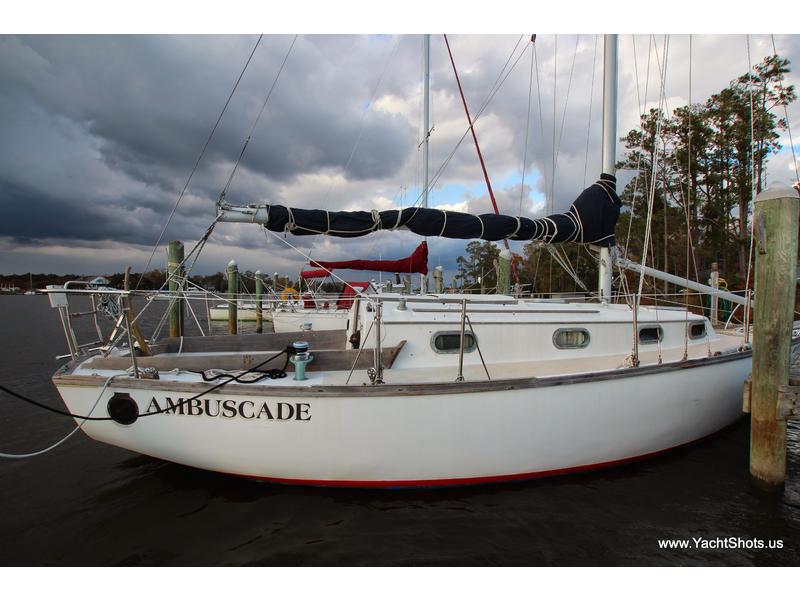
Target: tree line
699 168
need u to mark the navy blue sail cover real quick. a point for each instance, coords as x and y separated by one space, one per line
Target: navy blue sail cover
590 220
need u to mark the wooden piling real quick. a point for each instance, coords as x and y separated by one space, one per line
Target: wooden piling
407 284
233 289
438 279
775 218
504 272
174 264
259 296
713 281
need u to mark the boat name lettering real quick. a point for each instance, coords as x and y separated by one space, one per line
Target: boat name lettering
230 409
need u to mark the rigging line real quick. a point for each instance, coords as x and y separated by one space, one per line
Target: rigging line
752 161
176 276
658 64
494 92
198 247
472 131
541 117
553 250
560 250
637 177
786 116
478 149
498 83
527 131
686 201
589 122
365 112
566 104
636 75
255 123
686 198
641 126
652 194
446 162
360 135
197 162
553 147
306 256
536 268
500 74
440 171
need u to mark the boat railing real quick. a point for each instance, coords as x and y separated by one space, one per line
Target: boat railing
102 300
375 373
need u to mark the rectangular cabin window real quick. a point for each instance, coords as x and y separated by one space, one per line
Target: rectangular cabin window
564 339
449 342
697 330
650 335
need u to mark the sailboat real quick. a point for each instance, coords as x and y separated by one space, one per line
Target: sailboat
432 389
30 291
326 313
246 311
320 314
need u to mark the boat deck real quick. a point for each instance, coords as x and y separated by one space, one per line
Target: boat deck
332 365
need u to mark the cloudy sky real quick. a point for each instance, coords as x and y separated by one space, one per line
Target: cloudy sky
101 132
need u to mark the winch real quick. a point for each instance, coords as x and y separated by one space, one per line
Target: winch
300 358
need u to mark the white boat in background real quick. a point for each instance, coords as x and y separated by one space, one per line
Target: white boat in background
246 311
319 314
31 291
286 320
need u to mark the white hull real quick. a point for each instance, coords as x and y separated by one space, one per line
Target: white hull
320 320
415 436
242 314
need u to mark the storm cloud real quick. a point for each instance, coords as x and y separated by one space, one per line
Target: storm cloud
99 134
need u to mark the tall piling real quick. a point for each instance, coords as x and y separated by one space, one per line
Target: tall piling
233 289
713 281
504 272
438 279
259 296
174 271
775 218
407 284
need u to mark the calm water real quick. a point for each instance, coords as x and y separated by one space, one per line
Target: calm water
86 503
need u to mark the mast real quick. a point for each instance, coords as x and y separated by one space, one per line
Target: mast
609 148
426 101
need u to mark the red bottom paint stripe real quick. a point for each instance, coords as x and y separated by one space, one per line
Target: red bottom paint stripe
463 481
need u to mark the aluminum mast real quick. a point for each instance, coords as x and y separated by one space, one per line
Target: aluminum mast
426 101
609 149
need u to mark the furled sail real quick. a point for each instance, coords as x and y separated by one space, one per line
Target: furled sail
590 220
416 263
